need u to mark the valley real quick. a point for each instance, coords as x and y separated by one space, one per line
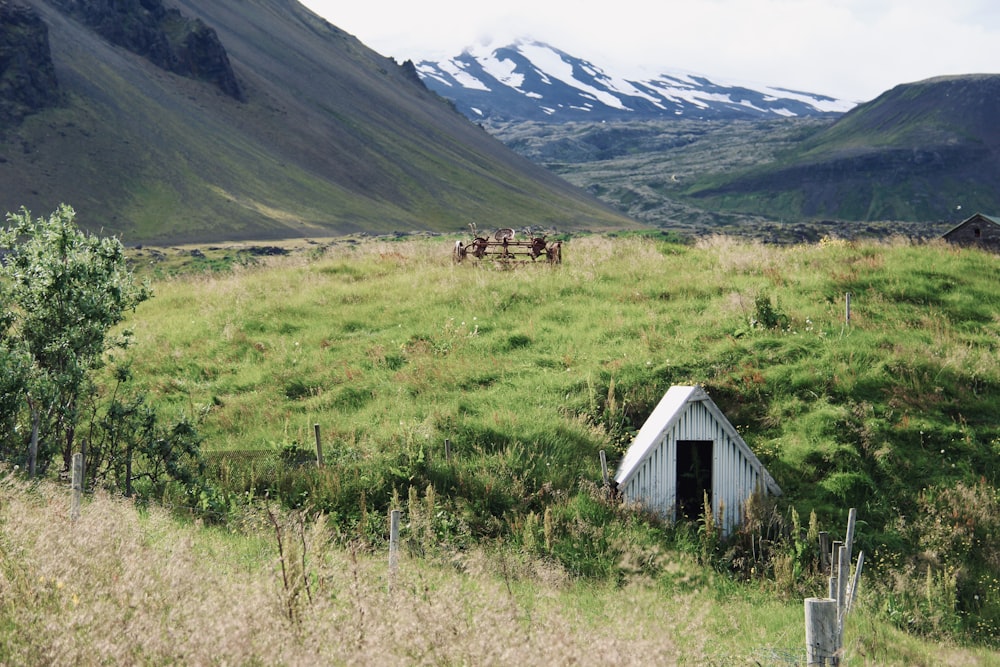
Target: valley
645 167
690 154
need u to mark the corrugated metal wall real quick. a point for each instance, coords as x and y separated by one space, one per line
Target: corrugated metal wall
734 477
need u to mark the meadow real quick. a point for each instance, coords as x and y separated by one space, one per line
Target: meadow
126 585
513 553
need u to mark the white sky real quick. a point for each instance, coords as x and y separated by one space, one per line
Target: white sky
853 49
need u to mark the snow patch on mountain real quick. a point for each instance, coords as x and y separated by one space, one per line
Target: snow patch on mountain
529 80
555 66
500 69
453 73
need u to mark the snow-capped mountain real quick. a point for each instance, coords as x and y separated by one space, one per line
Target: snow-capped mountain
530 80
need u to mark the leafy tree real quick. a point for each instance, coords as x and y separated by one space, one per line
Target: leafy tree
131 451
63 290
14 372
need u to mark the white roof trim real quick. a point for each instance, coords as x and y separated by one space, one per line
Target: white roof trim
666 412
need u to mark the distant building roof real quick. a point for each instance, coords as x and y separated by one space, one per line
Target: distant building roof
976 229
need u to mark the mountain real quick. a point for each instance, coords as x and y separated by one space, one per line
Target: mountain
27 75
196 121
529 80
668 148
919 152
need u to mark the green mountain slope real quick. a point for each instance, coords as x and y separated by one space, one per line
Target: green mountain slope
918 152
330 138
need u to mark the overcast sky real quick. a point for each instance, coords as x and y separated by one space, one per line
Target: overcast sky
853 49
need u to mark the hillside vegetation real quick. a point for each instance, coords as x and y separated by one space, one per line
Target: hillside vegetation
475 400
528 373
122 586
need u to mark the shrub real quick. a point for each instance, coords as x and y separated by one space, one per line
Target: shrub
65 290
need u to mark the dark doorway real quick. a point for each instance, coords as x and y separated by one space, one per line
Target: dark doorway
694 477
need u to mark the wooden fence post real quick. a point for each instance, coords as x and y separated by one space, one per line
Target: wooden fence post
128 471
74 512
847 307
393 545
822 643
319 447
33 447
825 616
854 582
852 517
604 468
447 450
824 551
834 562
843 578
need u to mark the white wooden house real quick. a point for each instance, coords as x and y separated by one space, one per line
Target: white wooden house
685 448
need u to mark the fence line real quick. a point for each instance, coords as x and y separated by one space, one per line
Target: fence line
74 511
824 617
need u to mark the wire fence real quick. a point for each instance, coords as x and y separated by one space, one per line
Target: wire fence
769 656
258 459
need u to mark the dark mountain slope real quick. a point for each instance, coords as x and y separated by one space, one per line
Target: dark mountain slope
918 152
163 36
330 138
27 75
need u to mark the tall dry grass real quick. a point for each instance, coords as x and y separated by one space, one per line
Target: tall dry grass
120 586
125 586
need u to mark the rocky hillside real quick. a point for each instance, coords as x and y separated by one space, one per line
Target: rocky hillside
165 37
27 75
917 160
646 167
132 117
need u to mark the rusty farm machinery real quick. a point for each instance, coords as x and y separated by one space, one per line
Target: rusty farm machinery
506 248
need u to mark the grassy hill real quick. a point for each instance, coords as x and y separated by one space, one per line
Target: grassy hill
529 373
329 138
475 399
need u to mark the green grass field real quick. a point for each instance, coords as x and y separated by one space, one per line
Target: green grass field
528 373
